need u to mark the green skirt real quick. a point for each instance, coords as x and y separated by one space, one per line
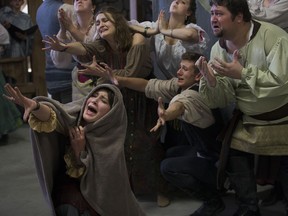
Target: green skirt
10 117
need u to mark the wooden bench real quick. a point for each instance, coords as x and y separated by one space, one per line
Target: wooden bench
16 70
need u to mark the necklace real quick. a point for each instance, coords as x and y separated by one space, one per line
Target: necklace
89 27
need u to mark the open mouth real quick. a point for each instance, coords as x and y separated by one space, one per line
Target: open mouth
91 109
215 27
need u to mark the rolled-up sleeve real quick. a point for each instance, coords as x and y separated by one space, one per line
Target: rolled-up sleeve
196 111
166 89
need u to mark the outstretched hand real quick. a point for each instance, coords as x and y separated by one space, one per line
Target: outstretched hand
53 43
65 21
162 24
161 114
229 69
15 96
99 69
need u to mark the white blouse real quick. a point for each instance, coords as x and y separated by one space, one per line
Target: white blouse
168 57
63 59
276 13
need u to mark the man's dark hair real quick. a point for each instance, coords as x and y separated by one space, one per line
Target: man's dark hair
191 56
235 7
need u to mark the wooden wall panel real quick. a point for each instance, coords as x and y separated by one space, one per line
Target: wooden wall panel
38 85
38 56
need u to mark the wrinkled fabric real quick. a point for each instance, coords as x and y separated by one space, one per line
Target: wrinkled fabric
196 111
142 151
23 21
168 57
58 79
276 13
63 59
104 184
263 88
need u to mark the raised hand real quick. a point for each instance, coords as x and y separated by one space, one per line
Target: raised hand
162 24
15 96
53 43
232 69
206 71
65 21
99 69
77 140
110 74
94 69
161 114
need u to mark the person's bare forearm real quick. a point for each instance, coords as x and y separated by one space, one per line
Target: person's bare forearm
145 31
185 34
40 111
137 84
174 110
74 48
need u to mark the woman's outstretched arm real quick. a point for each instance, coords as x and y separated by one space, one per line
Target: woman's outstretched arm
39 110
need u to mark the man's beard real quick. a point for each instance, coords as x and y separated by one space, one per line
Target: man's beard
219 34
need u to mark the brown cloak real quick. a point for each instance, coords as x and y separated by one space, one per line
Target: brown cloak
105 183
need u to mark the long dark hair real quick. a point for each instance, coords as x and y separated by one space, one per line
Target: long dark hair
192 9
123 36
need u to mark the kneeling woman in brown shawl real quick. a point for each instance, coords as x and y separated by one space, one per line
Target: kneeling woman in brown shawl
79 152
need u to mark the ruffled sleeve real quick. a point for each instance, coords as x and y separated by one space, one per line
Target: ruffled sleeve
40 126
74 170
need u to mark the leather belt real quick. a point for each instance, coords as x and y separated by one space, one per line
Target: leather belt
273 115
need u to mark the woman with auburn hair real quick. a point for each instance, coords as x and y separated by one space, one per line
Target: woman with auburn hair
128 54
